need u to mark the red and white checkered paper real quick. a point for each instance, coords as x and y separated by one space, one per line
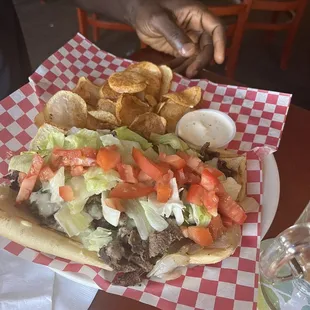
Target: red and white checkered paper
259 116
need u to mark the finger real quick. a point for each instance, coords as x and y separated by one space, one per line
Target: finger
213 26
174 34
203 58
174 63
182 68
219 41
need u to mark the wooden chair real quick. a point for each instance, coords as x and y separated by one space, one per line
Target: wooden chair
294 8
85 20
234 30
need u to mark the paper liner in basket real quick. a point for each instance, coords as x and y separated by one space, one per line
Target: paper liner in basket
259 116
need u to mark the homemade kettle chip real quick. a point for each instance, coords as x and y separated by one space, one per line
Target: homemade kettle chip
127 82
106 105
167 76
148 123
88 91
128 107
66 110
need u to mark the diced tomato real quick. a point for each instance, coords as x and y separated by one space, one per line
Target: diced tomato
216 227
143 177
108 157
127 173
192 162
46 174
77 171
89 152
208 180
228 207
180 177
21 177
192 177
130 191
200 235
210 201
227 222
163 167
215 172
114 203
66 193
146 165
197 165
163 188
28 183
71 158
195 194
174 161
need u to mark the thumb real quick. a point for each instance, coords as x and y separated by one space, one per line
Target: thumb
174 34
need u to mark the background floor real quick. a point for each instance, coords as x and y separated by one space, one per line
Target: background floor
48 26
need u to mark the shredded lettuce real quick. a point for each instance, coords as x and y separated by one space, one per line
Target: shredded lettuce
124 147
155 220
109 139
21 162
54 183
98 181
73 224
136 212
126 151
47 138
151 154
123 133
82 138
198 215
94 240
169 139
231 187
167 149
111 215
173 206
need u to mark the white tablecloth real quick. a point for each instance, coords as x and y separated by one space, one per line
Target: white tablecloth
25 285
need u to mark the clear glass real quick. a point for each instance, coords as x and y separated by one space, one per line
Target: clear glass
285 267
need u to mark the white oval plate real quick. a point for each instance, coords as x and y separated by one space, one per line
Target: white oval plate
271 193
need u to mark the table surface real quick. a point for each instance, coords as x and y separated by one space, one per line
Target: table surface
294 168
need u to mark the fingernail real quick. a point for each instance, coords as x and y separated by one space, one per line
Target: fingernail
188 49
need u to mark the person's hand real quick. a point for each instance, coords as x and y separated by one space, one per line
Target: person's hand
182 28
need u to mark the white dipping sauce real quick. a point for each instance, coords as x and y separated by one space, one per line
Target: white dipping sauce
206 125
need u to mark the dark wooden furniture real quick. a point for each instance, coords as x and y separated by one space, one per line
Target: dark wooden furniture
294 9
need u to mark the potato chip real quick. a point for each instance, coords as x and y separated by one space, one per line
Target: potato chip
39 120
94 123
65 110
151 100
166 81
148 123
106 105
152 75
88 91
159 107
128 107
172 112
190 97
127 82
106 92
105 117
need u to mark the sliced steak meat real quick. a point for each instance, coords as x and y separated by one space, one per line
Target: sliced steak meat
129 278
159 242
138 260
138 245
222 166
13 178
130 254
